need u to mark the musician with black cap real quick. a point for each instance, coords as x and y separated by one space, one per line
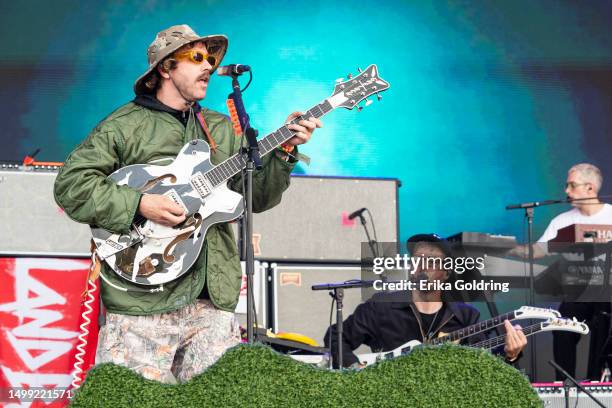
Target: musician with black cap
390 319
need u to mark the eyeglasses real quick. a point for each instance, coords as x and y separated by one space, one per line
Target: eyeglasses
197 57
572 185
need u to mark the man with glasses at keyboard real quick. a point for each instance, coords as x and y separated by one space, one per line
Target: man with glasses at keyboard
174 333
583 184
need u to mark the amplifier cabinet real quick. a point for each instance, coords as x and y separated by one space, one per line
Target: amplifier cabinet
311 223
298 309
32 223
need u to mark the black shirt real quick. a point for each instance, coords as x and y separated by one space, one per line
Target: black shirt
429 321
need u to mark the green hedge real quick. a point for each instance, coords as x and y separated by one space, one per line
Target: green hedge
257 376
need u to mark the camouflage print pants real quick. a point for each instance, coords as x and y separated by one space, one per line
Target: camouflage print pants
169 346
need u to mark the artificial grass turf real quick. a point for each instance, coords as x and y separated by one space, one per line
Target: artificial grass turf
257 376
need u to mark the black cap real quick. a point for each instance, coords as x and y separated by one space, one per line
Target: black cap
433 238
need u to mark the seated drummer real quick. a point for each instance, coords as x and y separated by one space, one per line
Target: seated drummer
388 320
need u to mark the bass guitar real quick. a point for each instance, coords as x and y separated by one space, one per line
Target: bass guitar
525 312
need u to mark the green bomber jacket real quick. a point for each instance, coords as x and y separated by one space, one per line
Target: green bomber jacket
135 134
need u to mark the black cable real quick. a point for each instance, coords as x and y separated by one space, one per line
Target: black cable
248 83
374 230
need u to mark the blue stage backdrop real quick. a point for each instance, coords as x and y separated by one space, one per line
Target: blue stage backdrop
490 102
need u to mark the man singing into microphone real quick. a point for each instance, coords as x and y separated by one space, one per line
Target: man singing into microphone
176 333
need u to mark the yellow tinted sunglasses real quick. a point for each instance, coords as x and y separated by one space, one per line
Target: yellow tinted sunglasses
197 57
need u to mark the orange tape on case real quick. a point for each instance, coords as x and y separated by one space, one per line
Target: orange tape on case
234 117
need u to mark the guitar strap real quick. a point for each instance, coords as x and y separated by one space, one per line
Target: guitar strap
211 141
94 268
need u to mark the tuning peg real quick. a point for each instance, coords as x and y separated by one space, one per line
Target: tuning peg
339 80
368 102
360 70
378 96
350 76
360 108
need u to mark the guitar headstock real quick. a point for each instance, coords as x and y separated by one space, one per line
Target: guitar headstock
530 312
563 324
347 94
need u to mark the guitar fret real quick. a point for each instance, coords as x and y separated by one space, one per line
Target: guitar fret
269 143
213 177
286 132
230 166
224 172
219 175
278 138
236 165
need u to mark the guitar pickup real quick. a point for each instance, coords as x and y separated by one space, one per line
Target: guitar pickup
200 184
176 198
114 243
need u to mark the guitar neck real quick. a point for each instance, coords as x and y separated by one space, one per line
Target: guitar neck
474 329
499 340
233 165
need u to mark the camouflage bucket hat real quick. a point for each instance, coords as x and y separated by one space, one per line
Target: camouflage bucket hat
170 40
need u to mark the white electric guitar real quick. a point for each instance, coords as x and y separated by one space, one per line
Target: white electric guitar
525 312
153 254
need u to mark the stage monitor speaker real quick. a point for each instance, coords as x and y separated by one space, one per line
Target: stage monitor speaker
298 309
32 223
311 223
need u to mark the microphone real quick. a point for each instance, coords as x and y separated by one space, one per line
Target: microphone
356 213
534 204
232 70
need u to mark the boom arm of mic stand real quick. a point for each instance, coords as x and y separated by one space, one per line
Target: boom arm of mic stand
572 379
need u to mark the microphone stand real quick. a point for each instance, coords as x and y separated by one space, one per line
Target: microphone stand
337 293
573 380
371 242
528 207
253 161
